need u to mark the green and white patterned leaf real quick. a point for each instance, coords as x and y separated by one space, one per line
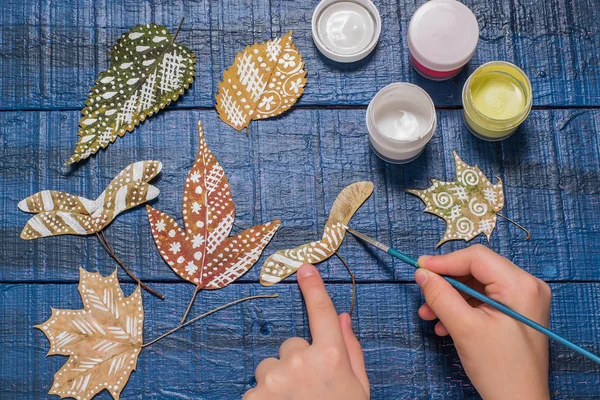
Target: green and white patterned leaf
147 71
469 205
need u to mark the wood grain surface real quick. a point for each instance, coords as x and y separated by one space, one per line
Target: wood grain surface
292 168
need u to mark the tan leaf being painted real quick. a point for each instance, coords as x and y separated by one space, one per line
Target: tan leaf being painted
103 340
60 213
469 206
203 253
265 80
284 263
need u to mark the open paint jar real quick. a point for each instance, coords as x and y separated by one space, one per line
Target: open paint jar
442 37
496 100
401 120
346 30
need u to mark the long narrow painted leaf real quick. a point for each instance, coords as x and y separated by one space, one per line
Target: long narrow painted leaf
52 200
284 263
131 195
54 223
148 70
60 213
265 80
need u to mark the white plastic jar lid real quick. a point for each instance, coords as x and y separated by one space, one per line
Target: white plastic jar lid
346 30
443 35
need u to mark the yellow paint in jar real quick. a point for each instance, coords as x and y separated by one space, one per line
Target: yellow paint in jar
496 100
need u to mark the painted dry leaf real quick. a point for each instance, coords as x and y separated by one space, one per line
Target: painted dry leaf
265 80
60 213
148 70
103 340
469 205
203 253
284 263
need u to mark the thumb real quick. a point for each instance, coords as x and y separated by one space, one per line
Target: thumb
445 301
357 360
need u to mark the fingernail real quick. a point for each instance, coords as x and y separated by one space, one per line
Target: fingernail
421 277
423 259
306 270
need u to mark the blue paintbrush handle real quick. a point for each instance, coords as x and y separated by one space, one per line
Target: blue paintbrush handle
501 307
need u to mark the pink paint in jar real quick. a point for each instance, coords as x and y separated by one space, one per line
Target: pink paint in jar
442 37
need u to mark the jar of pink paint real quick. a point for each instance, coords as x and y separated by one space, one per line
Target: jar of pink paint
442 37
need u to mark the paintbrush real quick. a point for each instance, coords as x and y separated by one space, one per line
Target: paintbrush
481 297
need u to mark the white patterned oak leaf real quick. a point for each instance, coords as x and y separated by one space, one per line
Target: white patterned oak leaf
103 340
286 262
265 80
469 205
203 253
60 213
148 70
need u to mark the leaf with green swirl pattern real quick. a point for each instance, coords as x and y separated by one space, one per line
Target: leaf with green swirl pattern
469 206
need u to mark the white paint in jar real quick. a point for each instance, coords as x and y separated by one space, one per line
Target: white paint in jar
346 31
401 120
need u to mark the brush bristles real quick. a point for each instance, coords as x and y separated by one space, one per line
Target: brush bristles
367 239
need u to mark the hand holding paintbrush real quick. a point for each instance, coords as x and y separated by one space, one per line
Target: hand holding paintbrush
502 357
480 325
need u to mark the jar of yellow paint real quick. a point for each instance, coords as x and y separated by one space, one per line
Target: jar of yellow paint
496 100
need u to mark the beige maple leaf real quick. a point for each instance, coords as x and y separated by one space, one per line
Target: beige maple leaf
286 262
265 80
103 340
469 205
203 253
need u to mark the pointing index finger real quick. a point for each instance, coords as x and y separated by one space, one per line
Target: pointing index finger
322 317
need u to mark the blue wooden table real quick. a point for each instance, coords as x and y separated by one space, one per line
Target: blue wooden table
292 168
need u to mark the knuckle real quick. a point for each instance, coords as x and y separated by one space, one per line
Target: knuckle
321 306
271 380
535 289
296 361
544 289
479 249
333 356
264 363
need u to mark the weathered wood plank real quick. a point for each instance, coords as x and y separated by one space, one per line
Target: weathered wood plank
216 358
53 52
292 168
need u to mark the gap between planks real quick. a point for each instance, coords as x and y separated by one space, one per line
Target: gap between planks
302 107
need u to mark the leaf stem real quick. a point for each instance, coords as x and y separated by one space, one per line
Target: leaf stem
520 226
189 307
353 282
104 242
206 314
177 31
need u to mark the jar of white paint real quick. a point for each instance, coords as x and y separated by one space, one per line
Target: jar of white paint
401 120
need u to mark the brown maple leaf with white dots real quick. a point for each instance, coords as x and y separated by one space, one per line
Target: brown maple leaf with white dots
203 253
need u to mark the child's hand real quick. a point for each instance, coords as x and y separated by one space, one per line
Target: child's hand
331 368
503 358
